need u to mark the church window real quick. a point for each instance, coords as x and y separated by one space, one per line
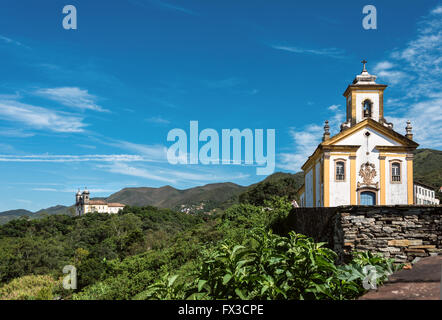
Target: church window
367 108
395 172
340 170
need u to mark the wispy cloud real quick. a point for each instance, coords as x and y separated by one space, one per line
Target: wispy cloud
15 133
86 146
153 152
426 118
72 190
73 97
123 168
334 107
416 70
330 52
174 7
11 41
74 158
165 174
385 70
306 139
40 118
158 120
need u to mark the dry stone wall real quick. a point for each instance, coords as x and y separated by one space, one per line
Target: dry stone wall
400 232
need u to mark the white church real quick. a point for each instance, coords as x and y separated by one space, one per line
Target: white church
367 162
84 205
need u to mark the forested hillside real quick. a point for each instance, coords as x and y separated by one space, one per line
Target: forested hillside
428 167
45 245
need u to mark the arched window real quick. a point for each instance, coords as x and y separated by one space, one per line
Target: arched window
395 172
340 171
367 109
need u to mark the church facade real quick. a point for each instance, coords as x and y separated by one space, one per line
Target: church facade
84 205
367 162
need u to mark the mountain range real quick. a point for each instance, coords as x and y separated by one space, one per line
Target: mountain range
427 169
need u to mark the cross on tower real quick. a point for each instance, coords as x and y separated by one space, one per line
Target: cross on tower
364 62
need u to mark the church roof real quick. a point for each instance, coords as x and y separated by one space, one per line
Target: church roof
375 125
390 133
104 203
116 204
97 202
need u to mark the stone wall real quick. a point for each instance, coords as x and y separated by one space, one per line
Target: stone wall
400 232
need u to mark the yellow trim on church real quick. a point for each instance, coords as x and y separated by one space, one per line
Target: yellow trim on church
353 179
382 178
410 181
326 181
376 126
314 184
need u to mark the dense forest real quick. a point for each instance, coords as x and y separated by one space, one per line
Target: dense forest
151 253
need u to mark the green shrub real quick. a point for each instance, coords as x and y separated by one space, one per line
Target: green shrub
42 287
270 266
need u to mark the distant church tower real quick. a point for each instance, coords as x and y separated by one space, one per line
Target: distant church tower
83 204
81 200
367 162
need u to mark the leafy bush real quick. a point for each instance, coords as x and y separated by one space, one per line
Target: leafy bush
41 287
271 267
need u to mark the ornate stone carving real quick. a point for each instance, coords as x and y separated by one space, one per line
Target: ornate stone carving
367 173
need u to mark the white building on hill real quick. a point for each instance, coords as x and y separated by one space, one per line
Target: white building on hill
424 194
84 205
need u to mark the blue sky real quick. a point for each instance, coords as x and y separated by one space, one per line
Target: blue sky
93 106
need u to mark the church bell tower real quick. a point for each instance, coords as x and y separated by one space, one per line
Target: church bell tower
365 99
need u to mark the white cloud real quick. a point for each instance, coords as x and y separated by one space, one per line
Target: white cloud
165 174
45 189
334 107
125 169
384 70
11 41
152 152
305 141
437 10
72 97
74 158
420 98
330 52
426 119
15 133
40 118
158 120
72 190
